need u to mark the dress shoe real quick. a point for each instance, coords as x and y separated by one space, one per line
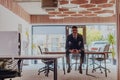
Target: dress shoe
68 70
80 70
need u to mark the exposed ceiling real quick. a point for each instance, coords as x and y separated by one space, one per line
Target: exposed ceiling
69 8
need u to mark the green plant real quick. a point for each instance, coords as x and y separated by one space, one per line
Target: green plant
93 35
111 40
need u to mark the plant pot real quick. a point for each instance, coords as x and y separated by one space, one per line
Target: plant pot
35 61
114 61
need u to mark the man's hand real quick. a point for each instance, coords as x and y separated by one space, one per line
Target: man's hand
75 51
71 50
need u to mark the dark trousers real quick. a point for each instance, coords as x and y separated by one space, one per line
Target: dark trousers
81 58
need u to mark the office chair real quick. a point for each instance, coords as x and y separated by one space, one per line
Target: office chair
7 72
100 58
4 74
48 65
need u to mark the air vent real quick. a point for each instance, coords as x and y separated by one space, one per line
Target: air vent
49 4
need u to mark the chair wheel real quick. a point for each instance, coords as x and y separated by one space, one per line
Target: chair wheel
109 71
93 71
38 73
46 74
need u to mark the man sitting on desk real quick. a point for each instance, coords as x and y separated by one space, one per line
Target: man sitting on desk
74 45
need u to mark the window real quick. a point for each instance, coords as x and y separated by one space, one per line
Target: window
50 37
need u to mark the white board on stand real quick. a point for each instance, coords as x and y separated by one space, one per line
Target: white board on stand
9 43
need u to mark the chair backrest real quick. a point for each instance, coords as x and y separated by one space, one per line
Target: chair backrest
106 48
46 49
40 49
44 60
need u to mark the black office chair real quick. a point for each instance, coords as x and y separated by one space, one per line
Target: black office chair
48 65
100 58
4 74
7 72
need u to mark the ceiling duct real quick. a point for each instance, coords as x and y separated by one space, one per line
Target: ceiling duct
49 5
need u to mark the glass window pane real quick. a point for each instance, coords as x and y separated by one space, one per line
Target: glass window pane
50 38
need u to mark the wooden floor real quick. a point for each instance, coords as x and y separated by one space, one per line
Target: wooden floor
30 73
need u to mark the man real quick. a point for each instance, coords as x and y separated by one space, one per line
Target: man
74 45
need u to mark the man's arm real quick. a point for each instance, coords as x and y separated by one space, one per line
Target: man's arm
81 43
67 43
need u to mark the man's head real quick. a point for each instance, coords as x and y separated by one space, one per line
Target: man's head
74 30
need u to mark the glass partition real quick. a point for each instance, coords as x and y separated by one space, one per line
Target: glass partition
49 38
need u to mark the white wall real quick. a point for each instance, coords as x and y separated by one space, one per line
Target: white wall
10 22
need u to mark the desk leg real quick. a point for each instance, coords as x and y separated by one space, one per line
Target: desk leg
19 67
55 69
105 66
63 61
87 64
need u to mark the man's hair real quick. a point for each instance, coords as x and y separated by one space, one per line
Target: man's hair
74 27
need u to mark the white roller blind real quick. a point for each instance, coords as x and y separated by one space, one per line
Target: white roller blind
8 43
49 30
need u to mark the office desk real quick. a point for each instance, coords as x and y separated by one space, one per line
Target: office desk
53 57
96 53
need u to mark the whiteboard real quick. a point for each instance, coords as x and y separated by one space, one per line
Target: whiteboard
9 43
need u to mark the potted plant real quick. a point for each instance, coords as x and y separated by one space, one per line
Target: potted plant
111 40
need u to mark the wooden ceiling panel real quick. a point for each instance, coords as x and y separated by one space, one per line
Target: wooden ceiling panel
63 2
54 13
77 15
79 1
91 15
105 11
105 5
112 1
69 12
81 7
85 12
87 5
94 9
62 15
27 0
63 9
98 1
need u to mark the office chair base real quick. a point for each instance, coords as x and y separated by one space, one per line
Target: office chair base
46 70
100 67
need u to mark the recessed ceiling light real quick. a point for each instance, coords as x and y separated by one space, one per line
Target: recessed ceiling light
56 17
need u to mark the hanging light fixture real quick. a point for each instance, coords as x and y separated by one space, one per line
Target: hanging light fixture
82 8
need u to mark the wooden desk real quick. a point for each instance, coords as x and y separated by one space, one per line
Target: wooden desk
96 53
53 57
87 53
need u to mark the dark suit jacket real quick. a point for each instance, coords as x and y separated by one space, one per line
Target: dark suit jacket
72 43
